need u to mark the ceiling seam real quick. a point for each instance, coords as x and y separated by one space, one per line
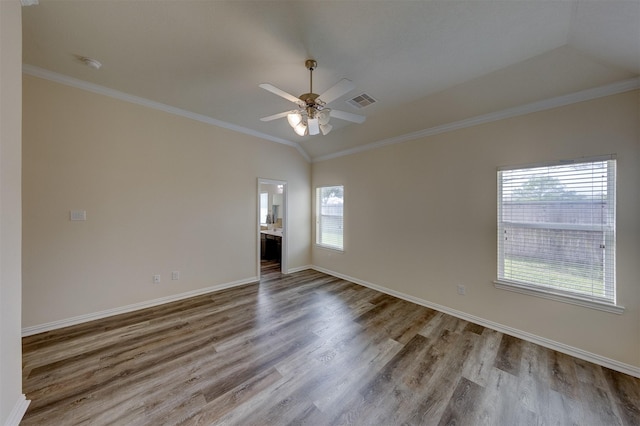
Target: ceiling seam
572 19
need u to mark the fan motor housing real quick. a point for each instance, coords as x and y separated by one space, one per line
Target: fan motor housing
312 106
309 98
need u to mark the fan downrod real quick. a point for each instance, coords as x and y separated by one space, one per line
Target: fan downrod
310 98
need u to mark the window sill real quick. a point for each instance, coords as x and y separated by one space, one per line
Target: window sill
546 294
332 248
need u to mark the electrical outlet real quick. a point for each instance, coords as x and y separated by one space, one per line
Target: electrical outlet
461 289
175 275
156 279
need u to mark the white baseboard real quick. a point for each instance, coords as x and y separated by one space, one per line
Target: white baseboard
299 269
18 411
547 343
41 328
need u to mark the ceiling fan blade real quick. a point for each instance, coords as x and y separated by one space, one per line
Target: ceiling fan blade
348 116
337 90
275 116
273 89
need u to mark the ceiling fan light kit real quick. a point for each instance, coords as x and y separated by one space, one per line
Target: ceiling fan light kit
294 118
312 116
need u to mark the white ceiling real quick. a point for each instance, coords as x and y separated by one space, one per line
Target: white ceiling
428 63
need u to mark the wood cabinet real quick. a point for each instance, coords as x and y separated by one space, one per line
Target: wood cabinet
270 246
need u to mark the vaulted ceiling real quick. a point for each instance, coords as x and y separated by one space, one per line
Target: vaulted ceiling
427 63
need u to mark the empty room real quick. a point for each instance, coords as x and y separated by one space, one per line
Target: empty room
320 212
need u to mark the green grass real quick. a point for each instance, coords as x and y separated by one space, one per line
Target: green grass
570 278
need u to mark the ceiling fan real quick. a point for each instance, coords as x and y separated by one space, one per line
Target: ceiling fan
312 115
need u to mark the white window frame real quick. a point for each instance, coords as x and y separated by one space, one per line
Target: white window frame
319 222
544 290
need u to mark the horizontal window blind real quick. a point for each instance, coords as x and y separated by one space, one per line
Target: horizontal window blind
329 216
556 228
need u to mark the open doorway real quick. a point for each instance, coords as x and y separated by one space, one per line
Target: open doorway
272 226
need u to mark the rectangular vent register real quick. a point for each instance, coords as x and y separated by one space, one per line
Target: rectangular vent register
361 101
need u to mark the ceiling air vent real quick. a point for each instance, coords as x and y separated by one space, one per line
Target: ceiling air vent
361 101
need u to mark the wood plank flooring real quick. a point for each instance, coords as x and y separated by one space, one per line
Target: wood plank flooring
308 348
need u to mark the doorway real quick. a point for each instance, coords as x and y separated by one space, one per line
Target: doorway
272 227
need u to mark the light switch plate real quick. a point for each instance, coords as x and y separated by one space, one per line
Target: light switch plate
78 215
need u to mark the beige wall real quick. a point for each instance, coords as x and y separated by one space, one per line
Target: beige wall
161 192
167 193
420 218
10 214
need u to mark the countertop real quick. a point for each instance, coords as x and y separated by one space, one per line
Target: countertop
275 232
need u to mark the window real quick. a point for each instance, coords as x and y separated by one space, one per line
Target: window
264 207
556 230
329 216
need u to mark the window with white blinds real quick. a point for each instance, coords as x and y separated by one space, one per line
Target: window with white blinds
329 216
557 230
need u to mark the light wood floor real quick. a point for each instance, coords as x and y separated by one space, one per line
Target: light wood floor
308 348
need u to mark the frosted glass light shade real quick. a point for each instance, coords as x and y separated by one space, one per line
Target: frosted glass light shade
325 128
294 119
300 129
323 116
303 125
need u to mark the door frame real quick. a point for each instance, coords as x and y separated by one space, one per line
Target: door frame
285 228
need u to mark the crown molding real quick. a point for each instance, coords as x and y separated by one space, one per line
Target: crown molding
559 101
101 90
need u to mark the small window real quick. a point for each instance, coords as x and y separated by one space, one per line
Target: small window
556 229
329 216
264 207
